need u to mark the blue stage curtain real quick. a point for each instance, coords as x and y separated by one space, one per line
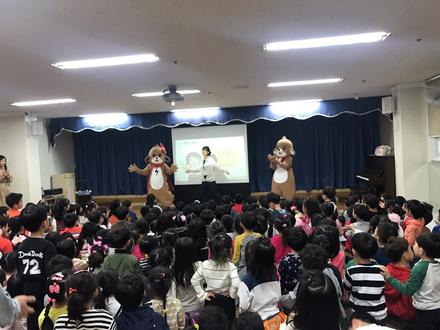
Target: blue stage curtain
102 158
329 151
247 115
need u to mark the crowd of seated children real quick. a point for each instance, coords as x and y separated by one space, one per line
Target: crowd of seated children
230 264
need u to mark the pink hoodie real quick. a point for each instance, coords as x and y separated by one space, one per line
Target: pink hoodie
304 222
281 250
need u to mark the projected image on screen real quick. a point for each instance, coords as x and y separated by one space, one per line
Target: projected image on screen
228 146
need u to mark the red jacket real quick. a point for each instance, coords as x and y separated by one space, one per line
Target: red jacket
238 208
398 304
75 231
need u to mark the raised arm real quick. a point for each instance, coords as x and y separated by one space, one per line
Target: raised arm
272 161
133 168
221 169
169 170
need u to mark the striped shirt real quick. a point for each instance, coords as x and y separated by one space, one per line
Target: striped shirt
145 265
174 313
366 285
220 279
96 319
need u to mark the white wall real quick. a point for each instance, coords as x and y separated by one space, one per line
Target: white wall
13 146
434 167
411 142
31 160
416 175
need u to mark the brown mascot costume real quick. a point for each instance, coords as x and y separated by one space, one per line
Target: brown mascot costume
283 180
157 171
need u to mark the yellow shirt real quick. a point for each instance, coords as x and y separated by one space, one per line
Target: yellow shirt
237 245
54 314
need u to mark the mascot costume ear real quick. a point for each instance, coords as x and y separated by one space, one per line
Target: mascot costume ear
158 175
164 150
283 180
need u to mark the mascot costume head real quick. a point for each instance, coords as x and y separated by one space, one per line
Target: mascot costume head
158 173
281 161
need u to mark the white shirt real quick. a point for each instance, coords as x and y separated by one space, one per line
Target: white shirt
209 166
218 278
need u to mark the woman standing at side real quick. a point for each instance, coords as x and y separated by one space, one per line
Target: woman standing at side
5 180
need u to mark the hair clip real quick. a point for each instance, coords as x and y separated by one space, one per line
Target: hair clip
72 290
194 324
52 300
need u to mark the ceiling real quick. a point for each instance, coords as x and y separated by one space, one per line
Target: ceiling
215 46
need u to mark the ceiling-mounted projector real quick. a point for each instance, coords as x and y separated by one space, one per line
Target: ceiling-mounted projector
171 95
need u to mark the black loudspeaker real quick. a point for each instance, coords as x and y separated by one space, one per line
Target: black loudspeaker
51 192
83 196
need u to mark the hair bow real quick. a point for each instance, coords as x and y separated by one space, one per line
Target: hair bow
162 147
72 290
100 244
54 288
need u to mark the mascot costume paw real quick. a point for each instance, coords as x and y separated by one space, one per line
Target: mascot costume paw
283 180
158 173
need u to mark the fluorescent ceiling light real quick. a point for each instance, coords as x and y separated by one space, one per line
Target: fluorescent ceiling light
42 102
305 82
196 112
294 102
183 92
105 119
350 39
107 61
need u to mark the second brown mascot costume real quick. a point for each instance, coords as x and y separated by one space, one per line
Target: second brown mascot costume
157 171
283 180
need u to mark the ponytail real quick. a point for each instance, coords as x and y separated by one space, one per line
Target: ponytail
76 306
164 307
281 223
56 291
47 321
160 283
81 290
97 253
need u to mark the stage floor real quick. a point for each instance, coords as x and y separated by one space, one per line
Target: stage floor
139 200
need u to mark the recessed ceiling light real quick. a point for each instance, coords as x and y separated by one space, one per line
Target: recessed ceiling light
305 82
42 102
183 92
350 39
107 61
